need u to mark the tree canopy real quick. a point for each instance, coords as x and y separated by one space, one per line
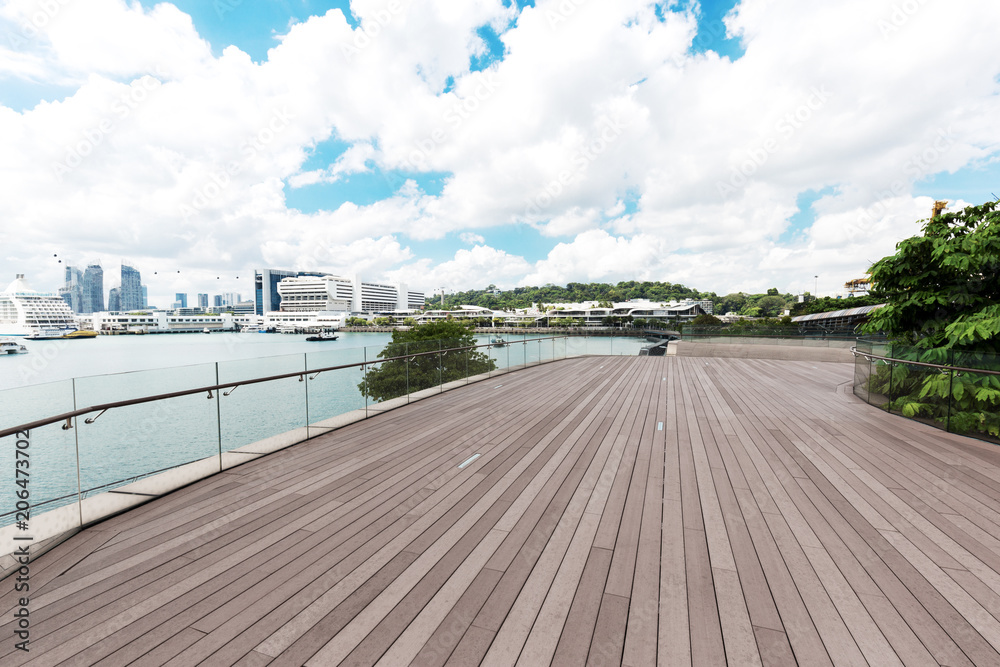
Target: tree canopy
942 288
394 378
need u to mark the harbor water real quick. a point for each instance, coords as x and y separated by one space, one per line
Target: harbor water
128 443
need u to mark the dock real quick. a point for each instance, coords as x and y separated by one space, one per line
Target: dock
597 510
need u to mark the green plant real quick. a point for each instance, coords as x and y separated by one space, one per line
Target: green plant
942 293
394 378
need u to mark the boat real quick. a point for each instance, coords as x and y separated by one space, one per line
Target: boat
61 335
498 342
325 335
11 346
25 312
206 330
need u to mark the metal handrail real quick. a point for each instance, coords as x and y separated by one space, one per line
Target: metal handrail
868 355
68 416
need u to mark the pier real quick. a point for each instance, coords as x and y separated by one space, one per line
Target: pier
596 510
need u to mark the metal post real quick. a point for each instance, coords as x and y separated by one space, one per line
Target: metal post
364 377
440 368
951 381
406 362
218 414
305 374
76 438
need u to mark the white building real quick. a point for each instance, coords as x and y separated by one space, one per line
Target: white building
338 294
162 321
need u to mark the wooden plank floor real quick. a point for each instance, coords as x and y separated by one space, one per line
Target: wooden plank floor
621 510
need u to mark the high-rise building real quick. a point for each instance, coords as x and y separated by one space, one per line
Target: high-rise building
180 300
145 297
131 289
114 300
93 289
72 291
203 301
217 301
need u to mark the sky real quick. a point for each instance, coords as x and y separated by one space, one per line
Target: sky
728 146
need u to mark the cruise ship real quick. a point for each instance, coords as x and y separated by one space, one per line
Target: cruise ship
25 312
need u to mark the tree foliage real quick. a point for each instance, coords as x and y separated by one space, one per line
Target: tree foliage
394 378
942 292
943 287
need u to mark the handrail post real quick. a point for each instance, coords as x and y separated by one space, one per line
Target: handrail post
951 381
76 439
218 414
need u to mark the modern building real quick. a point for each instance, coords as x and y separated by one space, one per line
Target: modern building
312 292
93 289
145 297
72 291
131 288
180 300
266 297
115 300
203 301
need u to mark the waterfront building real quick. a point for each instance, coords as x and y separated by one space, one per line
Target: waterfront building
308 291
93 289
172 322
24 312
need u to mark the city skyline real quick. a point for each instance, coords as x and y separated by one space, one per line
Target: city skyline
729 146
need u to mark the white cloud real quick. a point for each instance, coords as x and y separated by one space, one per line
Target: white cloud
168 154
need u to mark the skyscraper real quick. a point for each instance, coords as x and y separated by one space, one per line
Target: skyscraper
131 289
203 301
180 300
93 289
114 300
145 297
72 291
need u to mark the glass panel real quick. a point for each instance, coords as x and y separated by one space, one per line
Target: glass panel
576 346
50 454
862 371
266 416
516 349
131 453
422 371
881 373
975 397
335 397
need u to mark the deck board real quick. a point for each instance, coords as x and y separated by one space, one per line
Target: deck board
623 510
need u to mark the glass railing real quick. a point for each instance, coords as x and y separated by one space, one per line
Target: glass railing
97 445
955 391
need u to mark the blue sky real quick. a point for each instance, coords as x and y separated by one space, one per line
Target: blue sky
572 140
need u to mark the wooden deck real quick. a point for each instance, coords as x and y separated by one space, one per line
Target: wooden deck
622 510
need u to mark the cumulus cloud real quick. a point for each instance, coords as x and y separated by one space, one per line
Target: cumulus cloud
658 163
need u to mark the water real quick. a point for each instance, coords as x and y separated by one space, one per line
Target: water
61 376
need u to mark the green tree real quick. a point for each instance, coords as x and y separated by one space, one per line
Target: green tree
393 378
942 292
943 288
706 320
771 305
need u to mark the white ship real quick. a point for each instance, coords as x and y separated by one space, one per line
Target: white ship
11 346
25 312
